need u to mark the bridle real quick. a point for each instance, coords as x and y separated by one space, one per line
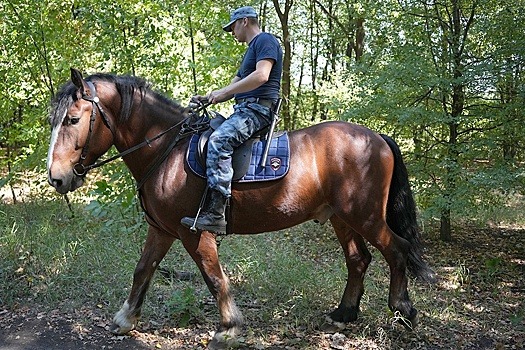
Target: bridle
80 169
187 128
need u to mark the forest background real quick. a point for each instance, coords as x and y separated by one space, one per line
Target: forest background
445 79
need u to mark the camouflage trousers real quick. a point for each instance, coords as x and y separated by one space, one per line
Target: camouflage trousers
247 119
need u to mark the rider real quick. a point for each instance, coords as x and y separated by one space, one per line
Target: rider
255 88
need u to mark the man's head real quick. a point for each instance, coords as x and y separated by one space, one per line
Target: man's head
240 13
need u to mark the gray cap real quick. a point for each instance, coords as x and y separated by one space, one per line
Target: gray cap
241 12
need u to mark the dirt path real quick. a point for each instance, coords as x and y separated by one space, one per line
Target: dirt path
25 330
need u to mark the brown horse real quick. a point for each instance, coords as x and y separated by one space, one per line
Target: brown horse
339 171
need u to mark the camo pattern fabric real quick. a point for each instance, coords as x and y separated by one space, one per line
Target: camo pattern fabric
246 120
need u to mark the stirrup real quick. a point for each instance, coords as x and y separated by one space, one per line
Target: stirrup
193 227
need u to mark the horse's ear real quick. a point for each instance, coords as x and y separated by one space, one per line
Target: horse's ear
77 79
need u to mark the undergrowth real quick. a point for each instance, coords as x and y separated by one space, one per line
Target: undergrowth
51 254
284 282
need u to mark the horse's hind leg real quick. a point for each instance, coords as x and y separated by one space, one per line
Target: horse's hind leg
156 246
203 250
357 260
395 249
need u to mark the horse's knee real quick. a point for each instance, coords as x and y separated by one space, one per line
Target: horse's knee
125 320
144 270
367 258
358 263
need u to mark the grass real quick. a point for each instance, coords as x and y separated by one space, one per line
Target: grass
273 280
284 282
48 255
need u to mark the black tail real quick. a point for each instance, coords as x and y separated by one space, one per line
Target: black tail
402 218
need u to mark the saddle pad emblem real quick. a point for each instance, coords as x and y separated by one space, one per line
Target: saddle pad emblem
277 163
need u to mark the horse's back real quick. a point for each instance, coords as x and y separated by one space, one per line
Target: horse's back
337 143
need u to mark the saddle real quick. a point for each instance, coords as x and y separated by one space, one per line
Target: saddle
246 158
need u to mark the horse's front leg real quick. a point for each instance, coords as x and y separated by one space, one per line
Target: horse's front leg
157 245
203 249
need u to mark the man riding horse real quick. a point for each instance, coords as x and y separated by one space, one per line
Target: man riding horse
256 89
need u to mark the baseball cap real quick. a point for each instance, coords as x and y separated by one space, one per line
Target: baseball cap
241 12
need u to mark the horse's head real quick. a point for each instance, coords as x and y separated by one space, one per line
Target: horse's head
80 133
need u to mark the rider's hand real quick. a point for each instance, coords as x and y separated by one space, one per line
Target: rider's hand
199 99
217 96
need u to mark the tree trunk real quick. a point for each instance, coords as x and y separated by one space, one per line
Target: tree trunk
445 230
287 60
455 37
314 56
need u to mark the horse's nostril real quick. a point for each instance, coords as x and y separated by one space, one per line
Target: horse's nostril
56 183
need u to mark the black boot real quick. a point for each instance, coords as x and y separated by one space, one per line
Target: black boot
212 216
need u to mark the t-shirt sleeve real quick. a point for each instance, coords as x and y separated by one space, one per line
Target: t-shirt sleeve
267 47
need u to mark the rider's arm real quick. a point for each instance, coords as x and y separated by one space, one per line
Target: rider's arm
258 77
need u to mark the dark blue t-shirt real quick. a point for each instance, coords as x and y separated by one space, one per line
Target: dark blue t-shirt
263 46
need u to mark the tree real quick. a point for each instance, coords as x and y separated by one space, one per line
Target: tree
444 78
284 15
432 76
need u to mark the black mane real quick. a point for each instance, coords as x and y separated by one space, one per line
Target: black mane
126 86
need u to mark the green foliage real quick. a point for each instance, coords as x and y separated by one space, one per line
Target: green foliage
115 193
462 160
184 306
40 41
47 253
459 162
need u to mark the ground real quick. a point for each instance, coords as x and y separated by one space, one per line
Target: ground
477 304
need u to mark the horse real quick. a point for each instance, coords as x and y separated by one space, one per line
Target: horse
339 172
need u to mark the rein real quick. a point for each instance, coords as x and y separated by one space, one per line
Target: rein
81 170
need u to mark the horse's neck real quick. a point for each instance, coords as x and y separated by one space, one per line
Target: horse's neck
144 125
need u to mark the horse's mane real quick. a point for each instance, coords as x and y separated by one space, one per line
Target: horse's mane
126 86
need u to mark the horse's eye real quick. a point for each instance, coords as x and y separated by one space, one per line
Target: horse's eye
74 121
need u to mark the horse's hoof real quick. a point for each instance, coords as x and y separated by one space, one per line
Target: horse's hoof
124 320
121 326
120 330
331 326
224 339
410 323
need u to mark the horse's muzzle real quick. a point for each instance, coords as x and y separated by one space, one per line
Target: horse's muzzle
65 184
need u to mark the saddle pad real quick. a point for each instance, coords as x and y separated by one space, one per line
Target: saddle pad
277 162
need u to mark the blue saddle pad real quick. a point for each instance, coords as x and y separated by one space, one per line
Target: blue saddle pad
277 162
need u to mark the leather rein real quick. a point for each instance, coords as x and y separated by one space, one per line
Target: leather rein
186 129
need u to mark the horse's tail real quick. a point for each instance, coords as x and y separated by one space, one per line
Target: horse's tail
401 216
